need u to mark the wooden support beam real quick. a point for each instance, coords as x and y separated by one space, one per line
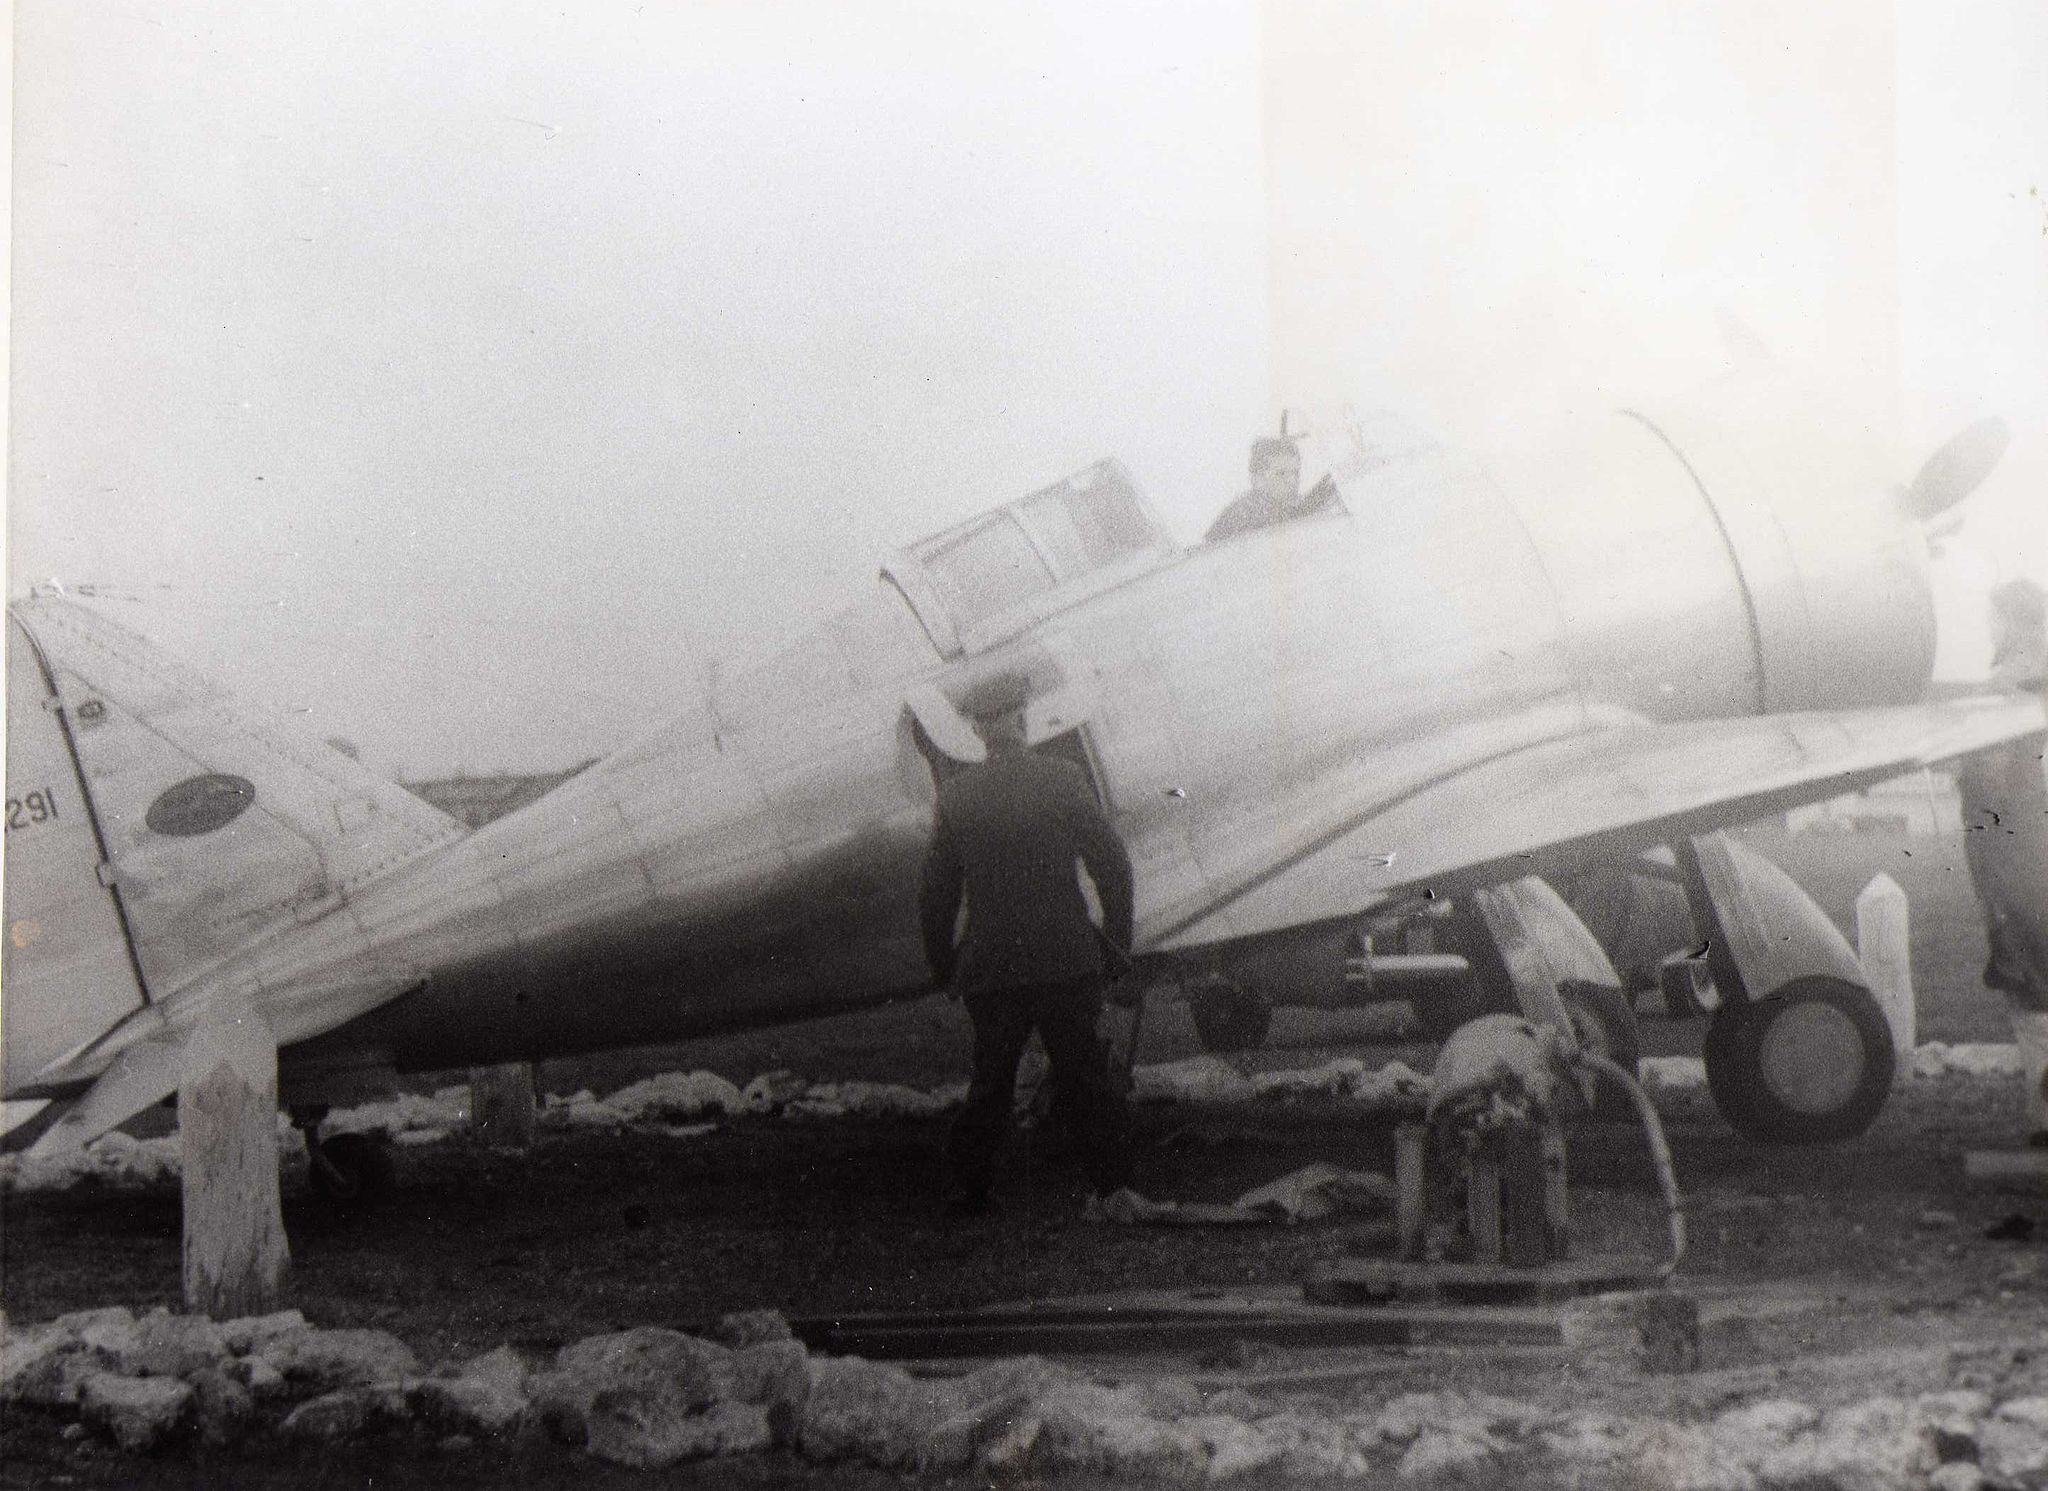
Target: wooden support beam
1482 1203
1097 1327
2020 1169
1377 1281
235 1252
1557 1214
502 1107
1884 946
1525 1230
1411 1148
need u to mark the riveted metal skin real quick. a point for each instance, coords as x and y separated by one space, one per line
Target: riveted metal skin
761 862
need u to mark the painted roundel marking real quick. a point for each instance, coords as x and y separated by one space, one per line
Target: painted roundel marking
199 805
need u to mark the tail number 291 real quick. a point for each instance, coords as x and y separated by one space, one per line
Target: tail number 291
31 808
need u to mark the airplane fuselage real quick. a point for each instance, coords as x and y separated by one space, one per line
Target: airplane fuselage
759 860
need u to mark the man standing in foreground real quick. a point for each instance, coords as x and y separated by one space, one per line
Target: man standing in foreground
1007 835
2005 840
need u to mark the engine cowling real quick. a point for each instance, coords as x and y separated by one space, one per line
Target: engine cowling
1834 574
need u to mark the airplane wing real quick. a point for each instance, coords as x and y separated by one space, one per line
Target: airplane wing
1613 785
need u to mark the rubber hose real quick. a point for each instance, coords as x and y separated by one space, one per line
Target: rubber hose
1660 1151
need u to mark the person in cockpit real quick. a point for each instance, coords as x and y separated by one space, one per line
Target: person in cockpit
1275 495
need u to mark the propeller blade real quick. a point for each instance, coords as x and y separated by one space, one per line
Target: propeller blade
1958 468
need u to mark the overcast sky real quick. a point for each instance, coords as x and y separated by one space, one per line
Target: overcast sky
466 386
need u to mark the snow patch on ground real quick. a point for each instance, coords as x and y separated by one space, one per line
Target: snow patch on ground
406 1113
1671 1074
685 1105
1212 1079
1936 1059
114 1160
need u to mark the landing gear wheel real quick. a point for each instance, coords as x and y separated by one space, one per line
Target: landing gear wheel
352 1171
1809 1064
1228 1017
1605 1024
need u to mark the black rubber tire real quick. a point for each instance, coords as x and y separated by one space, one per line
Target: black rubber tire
1228 1016
366 1173
1744 1043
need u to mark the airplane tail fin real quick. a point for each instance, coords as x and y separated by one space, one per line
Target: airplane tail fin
154 829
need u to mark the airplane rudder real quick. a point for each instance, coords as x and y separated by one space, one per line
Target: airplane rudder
67 959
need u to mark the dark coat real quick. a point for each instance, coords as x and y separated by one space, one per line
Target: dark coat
1007 835
2005 843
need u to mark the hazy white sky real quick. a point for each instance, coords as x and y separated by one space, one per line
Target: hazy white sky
1498 215
467 382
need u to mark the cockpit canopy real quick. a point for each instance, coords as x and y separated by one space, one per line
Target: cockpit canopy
991 577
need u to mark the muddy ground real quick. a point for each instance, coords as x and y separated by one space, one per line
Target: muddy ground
1868 1266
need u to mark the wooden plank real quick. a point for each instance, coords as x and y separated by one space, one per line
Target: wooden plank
987 1334
1556 1197
1411 1148
879 1342
1482 1204
1525 1231
1365 1281
1884 947
235 1252
2025 1168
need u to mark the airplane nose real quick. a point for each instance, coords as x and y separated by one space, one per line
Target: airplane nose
1957 469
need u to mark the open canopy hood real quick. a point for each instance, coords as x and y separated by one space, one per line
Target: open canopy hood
983 581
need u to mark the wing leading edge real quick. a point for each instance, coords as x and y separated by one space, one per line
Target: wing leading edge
1618 785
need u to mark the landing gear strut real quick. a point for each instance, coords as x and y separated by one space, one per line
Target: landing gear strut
350 1172
1605 1023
